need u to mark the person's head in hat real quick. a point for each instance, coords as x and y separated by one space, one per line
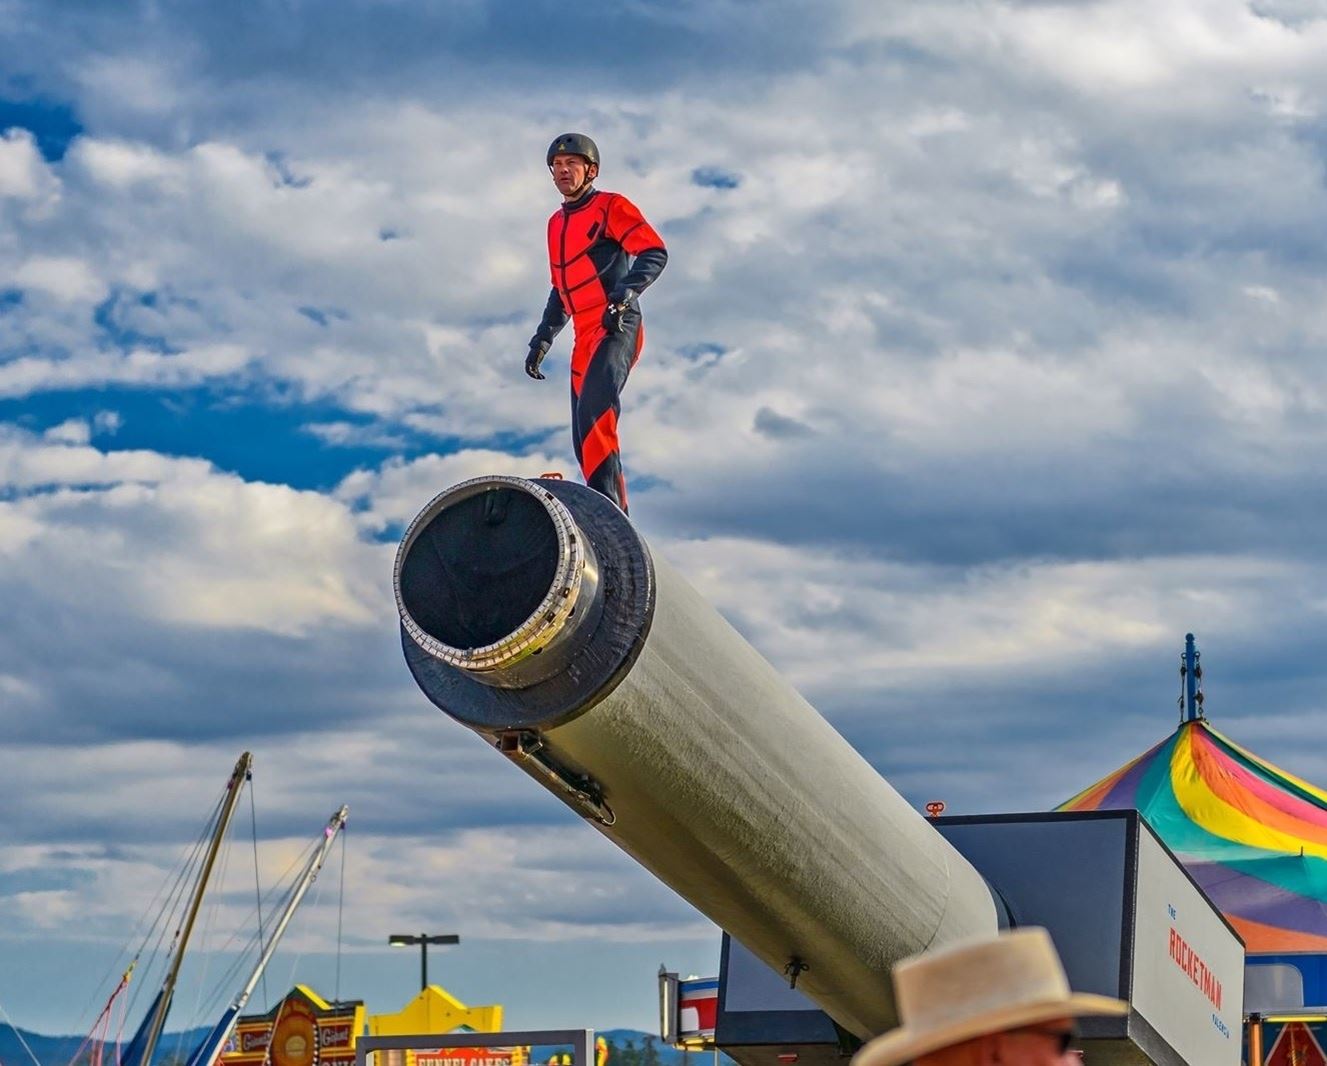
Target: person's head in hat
1001 1002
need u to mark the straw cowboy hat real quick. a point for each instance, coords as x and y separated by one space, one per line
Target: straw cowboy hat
955 994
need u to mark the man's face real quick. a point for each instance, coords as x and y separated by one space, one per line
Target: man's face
570 173
1040 1045
1035 1045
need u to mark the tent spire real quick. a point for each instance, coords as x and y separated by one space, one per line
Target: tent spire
1191 676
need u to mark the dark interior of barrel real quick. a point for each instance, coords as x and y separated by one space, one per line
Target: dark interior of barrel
480 567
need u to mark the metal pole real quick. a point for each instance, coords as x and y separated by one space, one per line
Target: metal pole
423 961
1255 1040
237 778
210 1048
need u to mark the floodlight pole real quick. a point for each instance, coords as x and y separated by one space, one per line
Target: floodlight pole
401 940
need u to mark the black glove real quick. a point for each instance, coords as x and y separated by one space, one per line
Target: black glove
536 356
618 304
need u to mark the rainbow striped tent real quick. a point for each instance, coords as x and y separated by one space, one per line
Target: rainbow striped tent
1253 836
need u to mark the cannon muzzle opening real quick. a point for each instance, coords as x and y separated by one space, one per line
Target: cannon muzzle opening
495 578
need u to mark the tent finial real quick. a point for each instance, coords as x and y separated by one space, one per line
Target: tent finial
1191 675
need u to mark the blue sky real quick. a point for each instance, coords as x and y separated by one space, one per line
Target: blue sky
987 363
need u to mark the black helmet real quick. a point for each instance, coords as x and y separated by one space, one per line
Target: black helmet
574 144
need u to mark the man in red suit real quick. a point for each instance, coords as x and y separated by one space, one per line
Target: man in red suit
602 255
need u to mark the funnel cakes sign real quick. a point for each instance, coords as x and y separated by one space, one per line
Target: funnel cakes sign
466 1056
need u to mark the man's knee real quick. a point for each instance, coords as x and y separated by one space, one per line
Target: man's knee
611 363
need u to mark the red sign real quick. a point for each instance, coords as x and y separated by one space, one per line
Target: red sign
1296 1047
1187 960
935 808
697 1006
465 1056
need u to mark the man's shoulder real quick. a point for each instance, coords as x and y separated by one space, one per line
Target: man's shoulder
616 202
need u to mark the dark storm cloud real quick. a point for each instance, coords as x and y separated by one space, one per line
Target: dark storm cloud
770 423
41 880
1293 13
1027 741
248 56
921 511
109 685
715 178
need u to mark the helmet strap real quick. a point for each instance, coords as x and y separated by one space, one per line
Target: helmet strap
584 186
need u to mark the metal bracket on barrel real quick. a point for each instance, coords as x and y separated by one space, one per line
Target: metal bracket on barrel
526 748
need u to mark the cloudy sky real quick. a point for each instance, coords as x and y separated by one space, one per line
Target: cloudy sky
987 363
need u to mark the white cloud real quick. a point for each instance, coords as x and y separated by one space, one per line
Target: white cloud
70 431
399 490
121 164
175 542
1135 46
108 422
66 278
840 620
29 374
144 84
26 463
24 175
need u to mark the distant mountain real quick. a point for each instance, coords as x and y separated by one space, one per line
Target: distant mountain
60 1050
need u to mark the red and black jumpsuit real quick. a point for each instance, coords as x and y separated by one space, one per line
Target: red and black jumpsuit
599 246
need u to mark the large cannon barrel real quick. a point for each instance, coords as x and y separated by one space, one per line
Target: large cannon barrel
533 612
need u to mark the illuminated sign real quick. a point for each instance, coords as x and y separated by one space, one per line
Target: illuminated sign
465 1056
1295 1046
301 1030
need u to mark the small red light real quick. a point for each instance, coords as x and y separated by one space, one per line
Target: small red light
788 1056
